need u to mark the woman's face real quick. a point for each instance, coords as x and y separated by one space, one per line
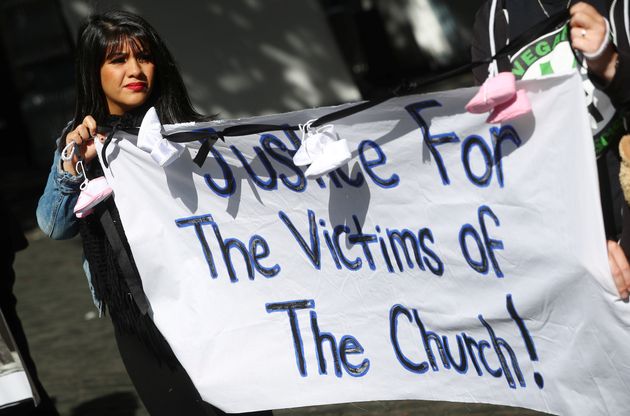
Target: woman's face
127 79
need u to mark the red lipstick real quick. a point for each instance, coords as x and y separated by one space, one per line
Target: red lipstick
136 86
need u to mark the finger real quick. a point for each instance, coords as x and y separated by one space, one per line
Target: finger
618 262
90 153
582 42
71 137
585 20
586 40
90 123
75 137
616 274
583 7
590 22
83 133
622 262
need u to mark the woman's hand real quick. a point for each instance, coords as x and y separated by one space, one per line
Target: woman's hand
588 33
619 268
83 137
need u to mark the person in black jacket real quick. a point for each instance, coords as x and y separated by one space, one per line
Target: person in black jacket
602 56
13 240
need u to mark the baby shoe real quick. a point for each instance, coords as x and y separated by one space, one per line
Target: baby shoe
322 149
496 90
518 106
92 193
313 143
302 155
150 139
334 155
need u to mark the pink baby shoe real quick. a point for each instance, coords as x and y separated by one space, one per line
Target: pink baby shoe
496 90
518 106
92 193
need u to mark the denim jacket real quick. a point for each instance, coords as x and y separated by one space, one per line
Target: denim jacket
55 209
55 214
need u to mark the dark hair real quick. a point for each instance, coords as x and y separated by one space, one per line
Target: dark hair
105 34
101 37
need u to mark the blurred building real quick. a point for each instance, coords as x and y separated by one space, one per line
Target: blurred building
386 42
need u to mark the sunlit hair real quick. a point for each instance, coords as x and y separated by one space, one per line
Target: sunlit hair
107 34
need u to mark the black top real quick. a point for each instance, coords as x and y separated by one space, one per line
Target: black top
526 13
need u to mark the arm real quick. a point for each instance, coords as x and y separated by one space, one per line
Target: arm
619 87
55 214
619 268
588 34
55 210
610 70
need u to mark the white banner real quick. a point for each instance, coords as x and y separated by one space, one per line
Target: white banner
449 260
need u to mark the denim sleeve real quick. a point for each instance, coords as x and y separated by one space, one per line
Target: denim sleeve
55 215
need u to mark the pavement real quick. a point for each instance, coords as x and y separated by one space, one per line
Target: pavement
75 351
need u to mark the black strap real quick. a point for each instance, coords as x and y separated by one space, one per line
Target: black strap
347 112
610 228
193 135
110 131
514 45
202 154
413 87
127 268
209 136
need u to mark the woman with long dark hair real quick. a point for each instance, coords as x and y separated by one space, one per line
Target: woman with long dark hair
122 69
